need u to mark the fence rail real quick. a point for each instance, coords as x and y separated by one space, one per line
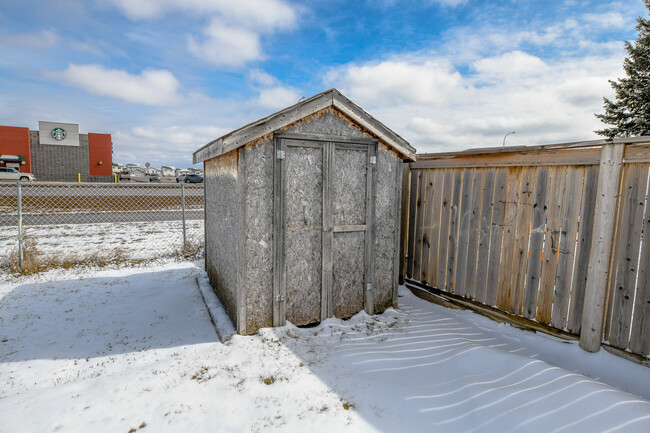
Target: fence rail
515 230
77 220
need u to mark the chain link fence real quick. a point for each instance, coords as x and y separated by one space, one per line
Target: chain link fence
46 225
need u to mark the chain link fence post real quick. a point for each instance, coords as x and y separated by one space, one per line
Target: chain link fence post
19 208
183 216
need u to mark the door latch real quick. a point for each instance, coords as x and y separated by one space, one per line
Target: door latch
279 298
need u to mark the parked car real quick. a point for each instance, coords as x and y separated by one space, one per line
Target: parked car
190 178
13 174
153 177
125 175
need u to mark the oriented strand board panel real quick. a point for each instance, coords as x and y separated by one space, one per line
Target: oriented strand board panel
349 187
259 235
386 225
348 265
303 237
221 228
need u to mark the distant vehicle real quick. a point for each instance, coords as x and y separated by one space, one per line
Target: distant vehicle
153 177
190 178
13 174
125 175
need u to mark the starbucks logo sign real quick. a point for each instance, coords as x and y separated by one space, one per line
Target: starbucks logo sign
58 134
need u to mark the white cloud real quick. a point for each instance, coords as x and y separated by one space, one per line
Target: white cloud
429 81
150 87
271 93
232 36
226 46
438 109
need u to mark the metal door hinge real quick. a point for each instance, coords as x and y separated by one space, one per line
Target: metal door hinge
279 298
280 154
373 160
369 286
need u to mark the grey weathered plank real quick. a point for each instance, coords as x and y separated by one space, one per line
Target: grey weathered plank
555 200
472 243
413 209
419 223
505 288
599 271
328 235
453 231
496 229
397 256
627 254
404 220
583 247
522 236
279 227
369 298
340 140
484 234
570 215
464 215
241 242
536 242
445 215
429 211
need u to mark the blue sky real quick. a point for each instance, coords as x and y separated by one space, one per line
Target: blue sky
164 77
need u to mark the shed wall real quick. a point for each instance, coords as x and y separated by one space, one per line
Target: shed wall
259 235
386 224
259 218
222 228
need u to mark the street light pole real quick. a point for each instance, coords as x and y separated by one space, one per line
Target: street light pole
504 137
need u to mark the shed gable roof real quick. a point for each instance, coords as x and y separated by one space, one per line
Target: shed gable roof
280 119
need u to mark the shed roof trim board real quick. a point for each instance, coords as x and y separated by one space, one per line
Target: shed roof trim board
280 119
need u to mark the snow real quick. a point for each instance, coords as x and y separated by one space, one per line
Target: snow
134 348
135 240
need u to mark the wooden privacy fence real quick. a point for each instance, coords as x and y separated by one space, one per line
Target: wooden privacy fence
515 228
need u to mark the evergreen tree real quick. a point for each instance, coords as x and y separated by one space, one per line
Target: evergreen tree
629 113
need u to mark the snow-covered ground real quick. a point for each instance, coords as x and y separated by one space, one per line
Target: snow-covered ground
134 240
134 350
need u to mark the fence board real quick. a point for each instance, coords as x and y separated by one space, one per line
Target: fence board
484 234
505 287
474 230
522 236
627 254
419 222
429 210
570 215
453 230
464 213
413 201
640 335
438 185
445 215
554 205
585 230
496 229
536 242
404 218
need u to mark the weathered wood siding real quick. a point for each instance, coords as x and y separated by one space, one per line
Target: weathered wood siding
514 231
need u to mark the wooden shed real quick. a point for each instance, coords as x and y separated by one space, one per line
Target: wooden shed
302 213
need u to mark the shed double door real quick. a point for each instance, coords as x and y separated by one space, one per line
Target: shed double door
324 212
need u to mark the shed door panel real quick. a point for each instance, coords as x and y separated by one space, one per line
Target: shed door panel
349 193
304 232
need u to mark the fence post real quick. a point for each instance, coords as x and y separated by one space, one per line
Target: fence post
183 216
598 275
19 208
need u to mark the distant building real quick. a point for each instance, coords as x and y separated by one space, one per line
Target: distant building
57 152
